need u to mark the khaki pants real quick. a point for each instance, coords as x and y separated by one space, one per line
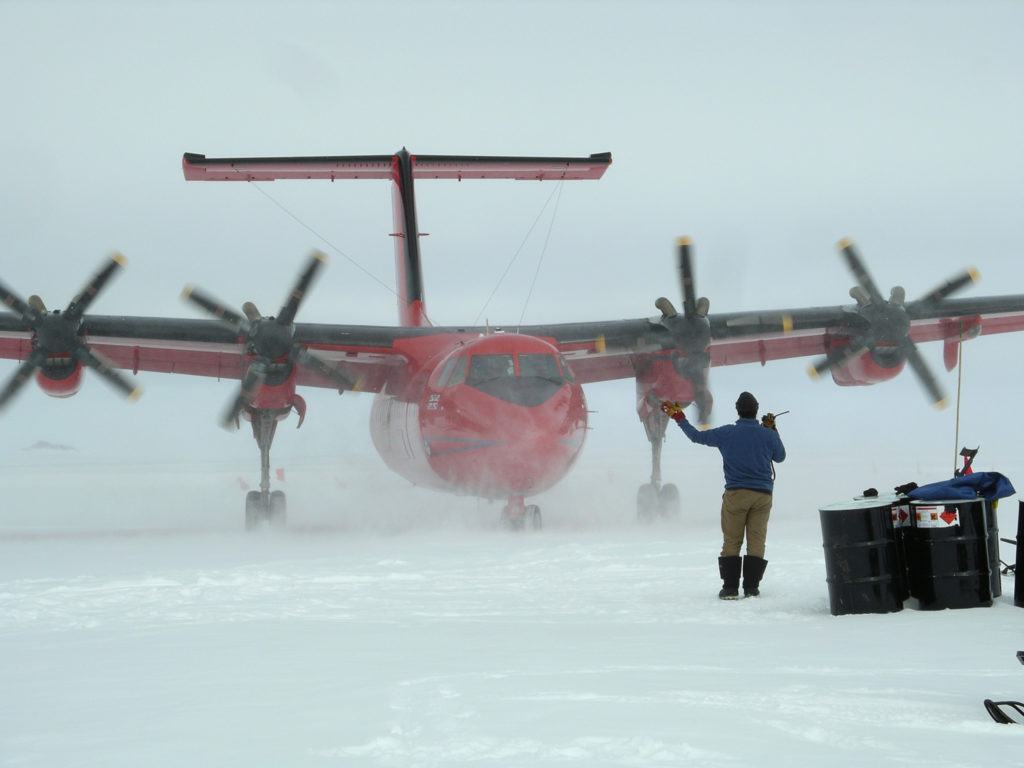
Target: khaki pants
745 511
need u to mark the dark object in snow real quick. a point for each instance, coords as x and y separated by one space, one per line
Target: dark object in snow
994 708
906 488
44 445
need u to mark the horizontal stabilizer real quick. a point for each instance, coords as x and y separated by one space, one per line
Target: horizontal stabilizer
201 168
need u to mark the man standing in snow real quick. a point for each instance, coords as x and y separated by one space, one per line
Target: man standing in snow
748 450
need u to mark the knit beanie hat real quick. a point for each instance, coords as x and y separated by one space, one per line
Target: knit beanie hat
746 405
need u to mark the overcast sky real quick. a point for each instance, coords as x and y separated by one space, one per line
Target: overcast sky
766 131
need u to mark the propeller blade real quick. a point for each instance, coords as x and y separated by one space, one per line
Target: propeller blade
82 301
216 308
923 372
287 314
251 383
314 362
686 277
951 286
22 309
105 368
666 307
860 272
841 356
23 374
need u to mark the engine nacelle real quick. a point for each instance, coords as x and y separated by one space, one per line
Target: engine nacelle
278 389
60 377
880 364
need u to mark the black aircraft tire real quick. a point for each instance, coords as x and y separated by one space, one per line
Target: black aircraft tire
647 506
253 511
278 512
668 499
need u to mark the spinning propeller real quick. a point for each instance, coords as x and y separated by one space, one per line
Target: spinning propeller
56 335
886 327
269 340
691 333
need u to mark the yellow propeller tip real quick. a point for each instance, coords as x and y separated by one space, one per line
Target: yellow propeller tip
684 241
320 256
975 274
135 394
787 324
119 258
846 242
187 291
940 404
813 372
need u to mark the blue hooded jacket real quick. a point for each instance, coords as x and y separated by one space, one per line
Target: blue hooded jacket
748 450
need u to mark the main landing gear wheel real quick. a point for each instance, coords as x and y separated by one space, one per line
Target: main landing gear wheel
265 508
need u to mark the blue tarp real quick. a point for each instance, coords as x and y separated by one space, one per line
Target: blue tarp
988 485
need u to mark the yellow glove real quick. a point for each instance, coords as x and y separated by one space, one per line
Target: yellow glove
768 420
670 408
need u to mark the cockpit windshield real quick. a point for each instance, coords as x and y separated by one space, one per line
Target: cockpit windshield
536 378
486 367
541 366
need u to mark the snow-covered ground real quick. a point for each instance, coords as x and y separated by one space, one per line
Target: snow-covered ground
414 632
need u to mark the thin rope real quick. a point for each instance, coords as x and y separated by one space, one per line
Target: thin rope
517 252
959 381
544 250
329 244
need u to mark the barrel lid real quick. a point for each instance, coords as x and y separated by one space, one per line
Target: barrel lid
881 501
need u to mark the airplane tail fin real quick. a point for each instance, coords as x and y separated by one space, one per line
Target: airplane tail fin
402 168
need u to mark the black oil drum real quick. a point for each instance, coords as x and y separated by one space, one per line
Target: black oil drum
948 555
900 526
863 564
1018 572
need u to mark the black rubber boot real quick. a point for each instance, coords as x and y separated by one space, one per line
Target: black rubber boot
729 570
753 570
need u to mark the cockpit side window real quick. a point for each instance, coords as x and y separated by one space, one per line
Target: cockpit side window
566 370
459 373
486 367
446 371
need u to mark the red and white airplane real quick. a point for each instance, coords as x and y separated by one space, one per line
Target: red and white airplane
477 411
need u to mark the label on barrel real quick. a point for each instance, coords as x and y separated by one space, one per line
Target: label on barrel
936 517
900 515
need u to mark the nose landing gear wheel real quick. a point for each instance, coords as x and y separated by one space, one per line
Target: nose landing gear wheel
516 515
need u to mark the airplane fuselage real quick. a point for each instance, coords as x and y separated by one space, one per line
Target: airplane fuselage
496 416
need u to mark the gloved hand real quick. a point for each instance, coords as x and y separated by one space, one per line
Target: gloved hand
768 420
673 410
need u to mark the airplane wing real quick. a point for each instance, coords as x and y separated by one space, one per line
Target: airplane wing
595 351
668 355
207 348
602 351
